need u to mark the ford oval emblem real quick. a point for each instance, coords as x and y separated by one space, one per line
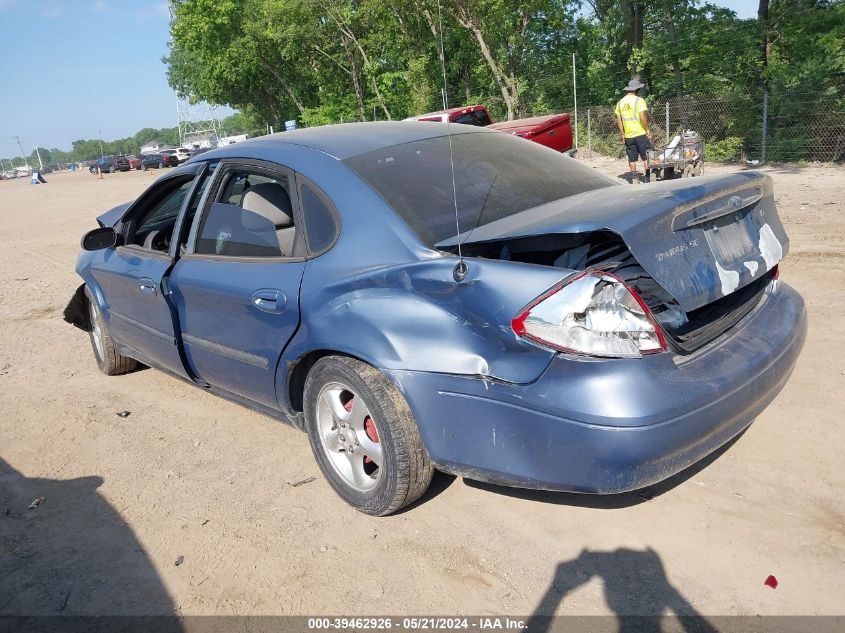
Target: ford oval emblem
735 202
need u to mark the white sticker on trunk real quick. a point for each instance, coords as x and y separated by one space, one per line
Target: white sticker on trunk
770 247
752 267
729 279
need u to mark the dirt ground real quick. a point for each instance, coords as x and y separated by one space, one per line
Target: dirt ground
187 505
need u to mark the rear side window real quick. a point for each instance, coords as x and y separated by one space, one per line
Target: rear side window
320 224
253 217
496 176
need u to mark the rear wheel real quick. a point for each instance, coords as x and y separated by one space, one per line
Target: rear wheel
108 360
364 436
687 172
698 168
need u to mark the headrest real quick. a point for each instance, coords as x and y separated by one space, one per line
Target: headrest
270 201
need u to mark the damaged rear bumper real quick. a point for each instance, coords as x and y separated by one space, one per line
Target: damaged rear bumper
609 426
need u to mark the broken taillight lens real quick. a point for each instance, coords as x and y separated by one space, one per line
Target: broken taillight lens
594 313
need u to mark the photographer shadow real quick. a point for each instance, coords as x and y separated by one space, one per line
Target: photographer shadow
68 558
635 587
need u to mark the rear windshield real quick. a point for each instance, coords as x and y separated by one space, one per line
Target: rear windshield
496 175
479 117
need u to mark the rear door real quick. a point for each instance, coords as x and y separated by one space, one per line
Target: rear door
132 277
236 289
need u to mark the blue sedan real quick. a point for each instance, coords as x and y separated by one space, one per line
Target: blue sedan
419 297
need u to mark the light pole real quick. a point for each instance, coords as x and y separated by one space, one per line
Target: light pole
100 135
26 162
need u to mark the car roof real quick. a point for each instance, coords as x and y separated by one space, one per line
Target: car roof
350 139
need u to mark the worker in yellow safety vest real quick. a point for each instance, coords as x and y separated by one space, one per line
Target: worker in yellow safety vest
632 121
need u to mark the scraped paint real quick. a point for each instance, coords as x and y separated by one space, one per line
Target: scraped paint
729 279
770 247
752 267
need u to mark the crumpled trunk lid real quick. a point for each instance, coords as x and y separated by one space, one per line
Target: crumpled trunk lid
700 239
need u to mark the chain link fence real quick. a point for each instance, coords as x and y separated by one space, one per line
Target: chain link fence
788 127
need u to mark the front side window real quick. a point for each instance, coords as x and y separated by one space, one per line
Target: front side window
153 226
251 217
496 176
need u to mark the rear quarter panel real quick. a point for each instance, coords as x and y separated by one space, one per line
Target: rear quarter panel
380 295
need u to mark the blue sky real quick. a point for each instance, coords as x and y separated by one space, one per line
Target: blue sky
71 67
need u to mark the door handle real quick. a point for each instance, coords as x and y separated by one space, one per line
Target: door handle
147 286
268 300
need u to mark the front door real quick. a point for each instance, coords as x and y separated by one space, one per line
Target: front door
132 277
236 289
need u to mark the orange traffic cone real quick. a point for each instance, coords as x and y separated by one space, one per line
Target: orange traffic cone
99 174
150 171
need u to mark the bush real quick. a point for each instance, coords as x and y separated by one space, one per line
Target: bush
727 149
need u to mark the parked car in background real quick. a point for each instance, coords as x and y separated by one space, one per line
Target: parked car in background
467 115
200 150
157 161
553 130
134 162
181 153
110 164
586 338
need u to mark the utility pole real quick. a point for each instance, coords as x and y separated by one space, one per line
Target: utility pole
443 92
765 125
37 153
575 99
26 162
100 136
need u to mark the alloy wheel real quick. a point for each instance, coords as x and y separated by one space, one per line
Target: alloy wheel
349 436
96 331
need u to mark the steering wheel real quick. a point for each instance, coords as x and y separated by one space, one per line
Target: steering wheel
157 241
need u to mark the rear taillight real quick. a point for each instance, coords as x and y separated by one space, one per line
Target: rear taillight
593 313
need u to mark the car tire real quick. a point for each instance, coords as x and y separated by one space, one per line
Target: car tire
111 169
161 165
352 412
108 360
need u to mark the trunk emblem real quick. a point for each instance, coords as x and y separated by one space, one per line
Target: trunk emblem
735 202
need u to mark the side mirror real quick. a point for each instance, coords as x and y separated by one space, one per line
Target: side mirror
98 239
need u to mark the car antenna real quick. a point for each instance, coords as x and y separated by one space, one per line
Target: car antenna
460 271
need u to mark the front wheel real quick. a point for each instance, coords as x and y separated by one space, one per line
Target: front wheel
108 360
364 436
